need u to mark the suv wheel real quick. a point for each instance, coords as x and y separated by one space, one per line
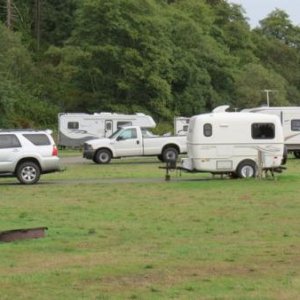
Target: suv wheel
28 172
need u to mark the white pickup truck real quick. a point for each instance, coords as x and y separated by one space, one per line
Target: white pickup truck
134 141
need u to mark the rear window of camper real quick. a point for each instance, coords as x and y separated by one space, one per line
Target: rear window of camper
295 125
73 125
207 130
263 131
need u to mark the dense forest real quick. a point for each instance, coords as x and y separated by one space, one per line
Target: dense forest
162 57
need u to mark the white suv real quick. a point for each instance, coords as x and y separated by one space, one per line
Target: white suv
27 154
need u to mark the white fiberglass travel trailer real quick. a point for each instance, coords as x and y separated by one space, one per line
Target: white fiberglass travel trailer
76 128
234 143
290 120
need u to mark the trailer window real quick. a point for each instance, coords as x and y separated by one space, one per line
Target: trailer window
73 125
263 131
207 130
295 125
122 124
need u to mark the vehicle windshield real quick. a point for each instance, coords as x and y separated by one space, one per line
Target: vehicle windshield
115 133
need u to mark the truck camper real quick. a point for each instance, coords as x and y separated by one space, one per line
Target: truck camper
76 128
290 120
234 143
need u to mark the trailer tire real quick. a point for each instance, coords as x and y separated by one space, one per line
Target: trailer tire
246 169
102 156
297 154
169 153
28 172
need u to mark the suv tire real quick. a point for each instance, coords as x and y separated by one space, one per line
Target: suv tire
28 172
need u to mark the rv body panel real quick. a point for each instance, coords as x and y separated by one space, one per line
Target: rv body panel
219 142
181 125
290 119
74 129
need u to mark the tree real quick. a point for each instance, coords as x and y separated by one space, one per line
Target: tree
251 82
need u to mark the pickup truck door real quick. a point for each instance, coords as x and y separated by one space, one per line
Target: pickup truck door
129 143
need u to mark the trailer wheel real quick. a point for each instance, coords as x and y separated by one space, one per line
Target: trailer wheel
246 169
297 154
169 153
102 156
28 172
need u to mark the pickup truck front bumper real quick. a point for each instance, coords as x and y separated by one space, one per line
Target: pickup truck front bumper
88 152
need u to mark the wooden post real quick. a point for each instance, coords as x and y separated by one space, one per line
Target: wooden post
259 164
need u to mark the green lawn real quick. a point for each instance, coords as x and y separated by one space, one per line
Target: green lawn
121 232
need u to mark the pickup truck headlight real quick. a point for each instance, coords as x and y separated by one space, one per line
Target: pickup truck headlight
87 147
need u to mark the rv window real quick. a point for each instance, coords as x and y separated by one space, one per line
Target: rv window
207 130
185 128
9 141
263 131
122 123
295 125
73 125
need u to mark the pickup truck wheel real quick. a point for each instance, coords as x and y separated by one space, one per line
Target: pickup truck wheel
28 172
102 156
169 154
246 169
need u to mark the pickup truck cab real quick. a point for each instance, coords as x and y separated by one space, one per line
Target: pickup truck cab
134 141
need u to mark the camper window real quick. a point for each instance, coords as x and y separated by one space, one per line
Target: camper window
295 125
122 123
207 130
73 125
263 131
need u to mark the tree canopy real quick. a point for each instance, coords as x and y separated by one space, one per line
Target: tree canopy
165 58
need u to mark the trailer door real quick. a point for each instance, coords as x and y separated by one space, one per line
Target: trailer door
108 128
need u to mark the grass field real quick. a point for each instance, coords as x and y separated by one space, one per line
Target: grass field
120 231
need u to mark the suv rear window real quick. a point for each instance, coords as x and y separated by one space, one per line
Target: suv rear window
9 141
38 139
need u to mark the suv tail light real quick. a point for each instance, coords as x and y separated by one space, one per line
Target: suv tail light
54 151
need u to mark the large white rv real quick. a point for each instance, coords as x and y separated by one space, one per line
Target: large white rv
181 125
290 120
234 143
76 128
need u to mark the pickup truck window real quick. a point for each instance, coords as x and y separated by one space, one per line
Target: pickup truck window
146 133
128 134
116 133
